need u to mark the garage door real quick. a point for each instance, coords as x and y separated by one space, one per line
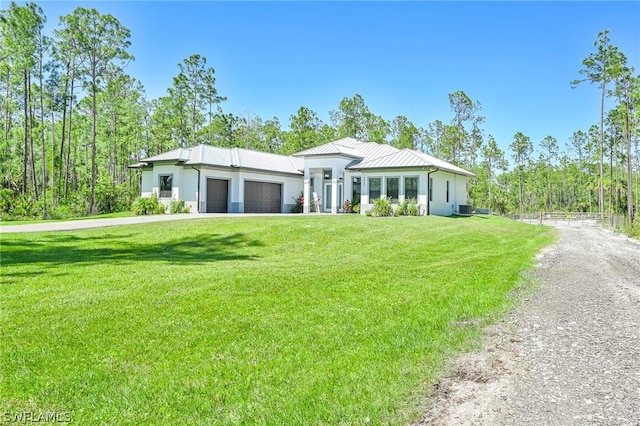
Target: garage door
217 195
262 197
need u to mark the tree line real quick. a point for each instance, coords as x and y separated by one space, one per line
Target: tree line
72 121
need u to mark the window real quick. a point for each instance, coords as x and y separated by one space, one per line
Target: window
430 189
447 191
411 188
392 188
374 189
357 191
165 186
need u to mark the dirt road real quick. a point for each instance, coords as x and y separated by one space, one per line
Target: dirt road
568 355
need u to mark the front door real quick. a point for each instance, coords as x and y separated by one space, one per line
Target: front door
328 188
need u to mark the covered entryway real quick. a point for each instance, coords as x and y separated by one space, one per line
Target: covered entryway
217 196
262 197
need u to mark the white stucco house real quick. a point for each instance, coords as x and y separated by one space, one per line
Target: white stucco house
233 180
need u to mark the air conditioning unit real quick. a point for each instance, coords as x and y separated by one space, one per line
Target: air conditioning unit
464 209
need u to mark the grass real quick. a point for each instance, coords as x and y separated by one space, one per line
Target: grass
97 216
268 320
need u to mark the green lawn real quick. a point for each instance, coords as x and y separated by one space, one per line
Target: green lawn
268 320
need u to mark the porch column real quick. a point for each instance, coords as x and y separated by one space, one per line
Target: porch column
334 190
306 192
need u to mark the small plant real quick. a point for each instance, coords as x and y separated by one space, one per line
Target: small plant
413 209
346 206
403 208
176 206
356 208
382 207
368 212
147 205
298 207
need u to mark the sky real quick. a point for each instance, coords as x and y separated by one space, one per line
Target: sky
404 58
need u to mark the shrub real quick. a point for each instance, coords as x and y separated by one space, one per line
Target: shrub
147 205
6 201
176 206
368 212
413 209
402 209
112 197
382 207
298 207
356 208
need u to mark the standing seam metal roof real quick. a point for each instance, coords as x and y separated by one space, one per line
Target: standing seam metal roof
232 157
410 158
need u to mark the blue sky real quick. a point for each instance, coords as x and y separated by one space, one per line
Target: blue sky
404 58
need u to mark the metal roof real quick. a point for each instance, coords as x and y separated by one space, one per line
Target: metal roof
331 148
350 147
180 154
366 155
410 158
231 157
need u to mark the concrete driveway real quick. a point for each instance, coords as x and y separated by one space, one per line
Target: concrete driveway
101 223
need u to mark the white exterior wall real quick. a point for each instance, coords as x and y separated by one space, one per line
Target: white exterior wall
457 193
146 187
190 189
151 182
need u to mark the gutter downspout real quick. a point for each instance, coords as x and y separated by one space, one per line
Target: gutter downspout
198 197
429 191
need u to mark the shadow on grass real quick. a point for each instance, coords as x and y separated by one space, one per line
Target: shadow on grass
56 249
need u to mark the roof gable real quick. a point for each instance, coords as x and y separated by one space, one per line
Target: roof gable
350 147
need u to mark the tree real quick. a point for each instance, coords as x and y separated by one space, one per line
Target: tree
521 149
550 146
465 110
193 92
354 119
304 131
404 133
493 160
627 91
599 68
21 28
98 41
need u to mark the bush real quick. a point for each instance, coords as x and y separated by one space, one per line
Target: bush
147 205
382 207
298 206
7 201
176 206
368 212
111 197
356 208
413 209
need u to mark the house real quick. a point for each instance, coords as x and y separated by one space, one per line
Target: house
219 180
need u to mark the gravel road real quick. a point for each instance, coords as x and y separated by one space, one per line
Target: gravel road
568 355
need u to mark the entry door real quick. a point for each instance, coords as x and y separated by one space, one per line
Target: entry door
328 188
